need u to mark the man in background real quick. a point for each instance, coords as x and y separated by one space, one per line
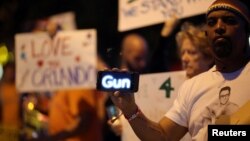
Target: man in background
134 53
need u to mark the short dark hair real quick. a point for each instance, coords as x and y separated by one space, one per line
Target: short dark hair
225 88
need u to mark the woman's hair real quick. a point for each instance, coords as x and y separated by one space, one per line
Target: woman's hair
196 35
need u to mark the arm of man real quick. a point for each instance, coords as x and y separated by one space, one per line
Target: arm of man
147 130
165 130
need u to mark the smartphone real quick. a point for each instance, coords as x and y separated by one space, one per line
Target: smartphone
111 81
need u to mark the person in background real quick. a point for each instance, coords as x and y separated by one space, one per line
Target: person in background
10 117
134 53
77 114
133 57
9 98
194 50
51 27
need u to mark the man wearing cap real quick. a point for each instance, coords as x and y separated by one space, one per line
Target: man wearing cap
228 27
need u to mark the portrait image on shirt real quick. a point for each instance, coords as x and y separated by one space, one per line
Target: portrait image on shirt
221 107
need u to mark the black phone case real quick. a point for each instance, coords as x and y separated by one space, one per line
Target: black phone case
134 81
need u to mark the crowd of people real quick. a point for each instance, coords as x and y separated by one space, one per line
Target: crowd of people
215 58
227 29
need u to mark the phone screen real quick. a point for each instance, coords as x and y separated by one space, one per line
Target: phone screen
117 81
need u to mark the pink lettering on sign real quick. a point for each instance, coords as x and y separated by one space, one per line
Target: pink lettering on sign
60 46
61 62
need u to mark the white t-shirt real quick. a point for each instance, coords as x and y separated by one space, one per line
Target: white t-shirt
205 98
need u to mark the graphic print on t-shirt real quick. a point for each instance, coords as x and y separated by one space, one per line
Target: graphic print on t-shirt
219 108
212 98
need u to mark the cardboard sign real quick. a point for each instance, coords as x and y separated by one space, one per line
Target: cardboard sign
67 61
65 20
140 13
156 95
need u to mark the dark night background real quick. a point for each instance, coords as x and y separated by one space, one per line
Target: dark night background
99 14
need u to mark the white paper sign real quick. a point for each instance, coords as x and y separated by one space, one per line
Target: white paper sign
140 13
67 61
156 95
65 20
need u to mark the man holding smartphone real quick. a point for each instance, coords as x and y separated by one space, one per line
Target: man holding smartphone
133 57
228 23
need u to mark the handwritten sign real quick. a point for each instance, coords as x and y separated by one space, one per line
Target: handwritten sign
140 13
152 99
67 61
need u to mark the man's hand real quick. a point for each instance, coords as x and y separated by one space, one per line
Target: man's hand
124 101
169 26
116 126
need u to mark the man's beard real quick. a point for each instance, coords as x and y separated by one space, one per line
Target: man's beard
222 48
